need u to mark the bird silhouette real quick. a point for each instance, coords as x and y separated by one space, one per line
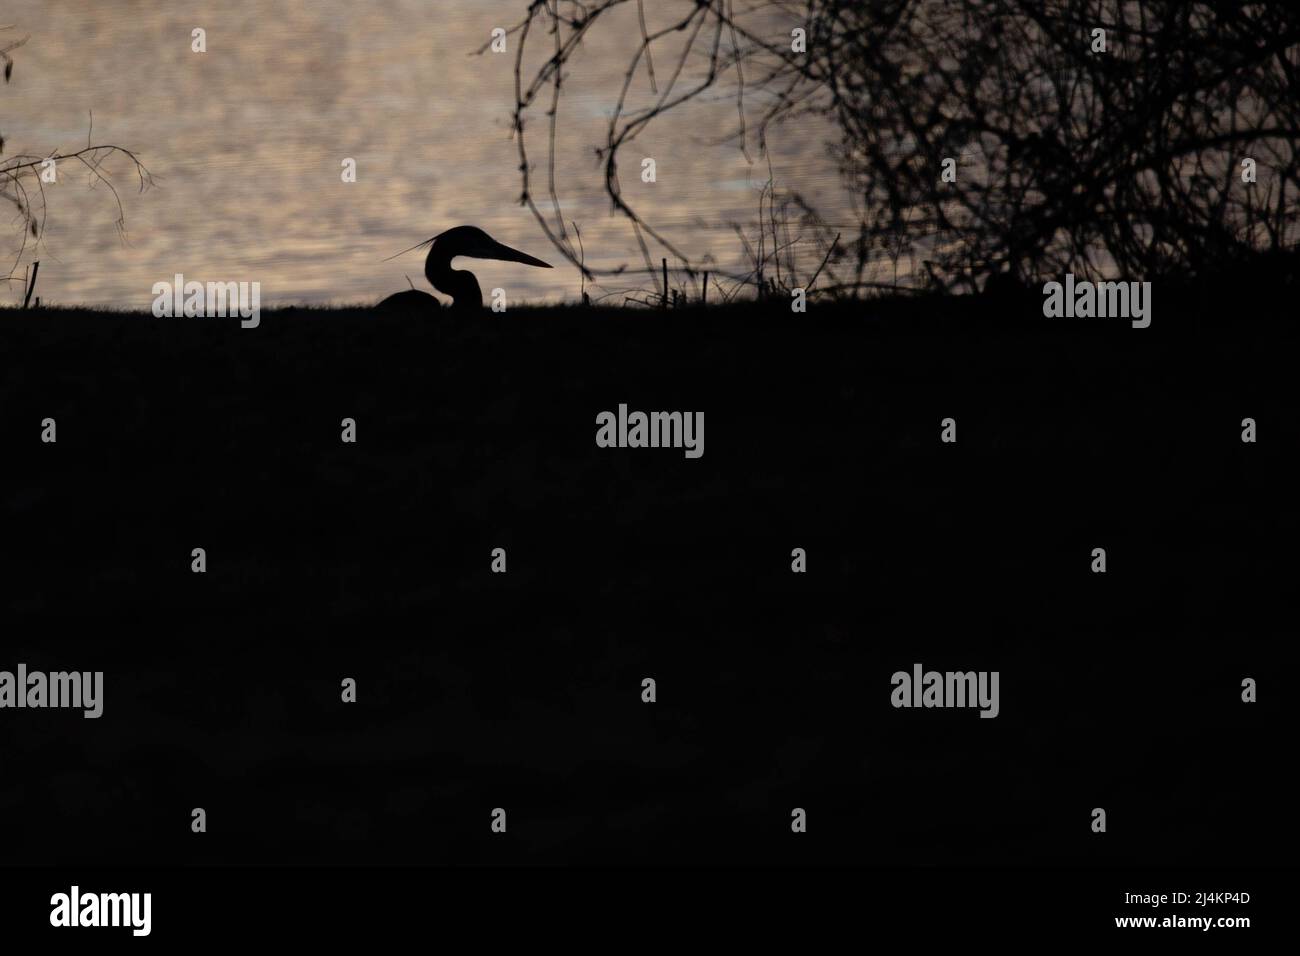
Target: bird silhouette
460 284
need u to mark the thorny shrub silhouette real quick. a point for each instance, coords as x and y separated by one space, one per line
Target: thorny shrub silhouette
1122 163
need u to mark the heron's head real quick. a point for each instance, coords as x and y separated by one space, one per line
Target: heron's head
474 242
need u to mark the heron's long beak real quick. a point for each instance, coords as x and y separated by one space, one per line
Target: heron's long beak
495 250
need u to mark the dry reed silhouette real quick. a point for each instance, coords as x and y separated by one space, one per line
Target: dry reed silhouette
22 187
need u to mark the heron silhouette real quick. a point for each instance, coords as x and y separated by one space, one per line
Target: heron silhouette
460 284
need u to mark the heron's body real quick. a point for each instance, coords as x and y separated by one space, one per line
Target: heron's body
460 284
409 302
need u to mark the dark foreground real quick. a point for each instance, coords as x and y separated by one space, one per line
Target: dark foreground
523 690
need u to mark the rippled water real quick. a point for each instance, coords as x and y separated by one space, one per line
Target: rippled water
247 139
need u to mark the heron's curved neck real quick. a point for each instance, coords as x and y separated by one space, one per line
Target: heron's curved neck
460 284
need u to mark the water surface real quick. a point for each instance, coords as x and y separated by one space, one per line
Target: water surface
247 140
